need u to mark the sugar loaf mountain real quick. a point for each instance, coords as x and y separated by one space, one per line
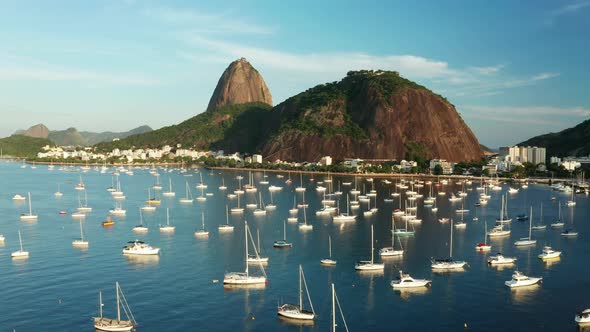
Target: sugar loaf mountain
367 114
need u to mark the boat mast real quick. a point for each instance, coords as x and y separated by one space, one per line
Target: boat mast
81 233
30 209
330 246
100 303
333 310
531 223
300 291
285 230
372 249
20 241
226 215
246 240
258 239
118 309
451 245
167 216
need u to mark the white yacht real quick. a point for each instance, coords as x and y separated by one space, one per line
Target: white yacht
202 232
257 257
30 216
448 264
484 246
82 243
169 193
139 248
527 241
296 311
549 253
344 217
118 210
392 251
18 197
583 317
20 253
406 281
188 197
521 280
115 325
499 259
237 209
329 261
498 231
369 265
167 228
140 228
244 278
226 227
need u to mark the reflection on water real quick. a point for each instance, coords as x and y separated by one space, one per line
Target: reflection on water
502 267
524 294
406 293
552 261
142 260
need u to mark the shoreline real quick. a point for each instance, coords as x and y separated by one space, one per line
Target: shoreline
98 165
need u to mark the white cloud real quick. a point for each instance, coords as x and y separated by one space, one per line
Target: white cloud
488 70
206 22
571 8
516 112
544 76
48 73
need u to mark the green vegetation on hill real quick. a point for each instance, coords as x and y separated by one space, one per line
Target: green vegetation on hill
338 99
231 128
569 142
22 146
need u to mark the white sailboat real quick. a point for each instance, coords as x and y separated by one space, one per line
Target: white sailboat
202 232
244 278
559 222
84 208
188 197
448 264
257 257
202 198
30 216
296 311
572 201
169 193
540 226
80 185
504 212
140 228
391 251
283 243
369 265
335 302
301 188
58 193
329 260
260 210
81 242
226 227
201 184
237 209
21 253
167 228
527 241
344 217
272 206
294 210
305 226
115 325
118 210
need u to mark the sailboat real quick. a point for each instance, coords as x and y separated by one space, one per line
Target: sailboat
391 251
271 206
167 228
260 211
369 265
140 228
202 198
540 226
329 260
504 212
283 243
250 188
118 210
296 311
237 209
264 180
169 193
81 242
448 264
157 186
85 207
257 257
558 223
301 188
30 216
294 210
335 302
201 185
572 201
244 278
305 226
569 231
20 253
527 241
188 197
108 324
239 190
484 246
58 193
80 185
403 231
223 186
118 193
226 227
202 232
152 200
344 216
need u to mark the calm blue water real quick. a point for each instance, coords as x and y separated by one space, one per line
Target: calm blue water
56 288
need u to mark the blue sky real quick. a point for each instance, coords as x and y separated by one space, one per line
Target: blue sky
513 69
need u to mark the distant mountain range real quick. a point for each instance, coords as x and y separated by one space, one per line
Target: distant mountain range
573 141
72 136
368 114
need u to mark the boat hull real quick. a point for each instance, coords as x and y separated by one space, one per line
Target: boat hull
111 325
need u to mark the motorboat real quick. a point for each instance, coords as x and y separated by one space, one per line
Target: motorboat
138 247
521 280
549 253
583 317
500 259
406 281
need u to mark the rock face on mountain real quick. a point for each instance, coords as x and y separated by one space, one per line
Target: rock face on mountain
369 115
39 131
239 84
